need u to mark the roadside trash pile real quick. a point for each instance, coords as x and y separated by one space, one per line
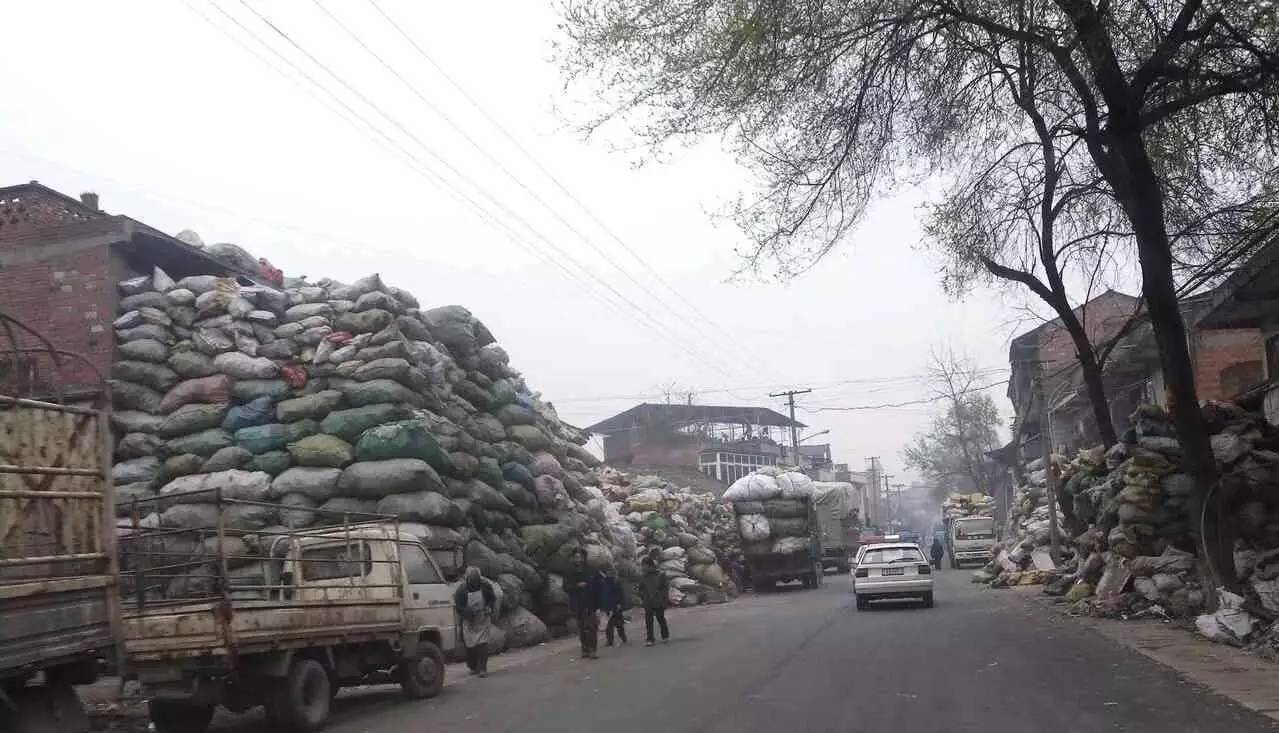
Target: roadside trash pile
1022 557
772 514
1130 526
957 506
679 529
325 398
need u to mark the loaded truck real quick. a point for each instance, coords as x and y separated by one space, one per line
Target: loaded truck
969 539
219 616
839 520
778 524
58 613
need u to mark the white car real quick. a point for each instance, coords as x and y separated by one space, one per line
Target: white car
892 570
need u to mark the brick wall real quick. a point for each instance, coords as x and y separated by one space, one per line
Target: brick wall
1226 361
71 300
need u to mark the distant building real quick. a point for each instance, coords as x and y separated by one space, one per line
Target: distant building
724 442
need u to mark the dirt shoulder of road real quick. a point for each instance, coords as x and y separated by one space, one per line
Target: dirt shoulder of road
1247 679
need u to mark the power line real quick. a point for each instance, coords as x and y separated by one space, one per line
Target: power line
642 312
418 166
532 193
716 328
924 401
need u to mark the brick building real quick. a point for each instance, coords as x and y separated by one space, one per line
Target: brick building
1227 354
60 258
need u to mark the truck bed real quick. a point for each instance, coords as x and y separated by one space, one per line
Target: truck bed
50 622
198 629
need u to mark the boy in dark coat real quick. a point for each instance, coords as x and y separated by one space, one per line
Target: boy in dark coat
653 590
613 602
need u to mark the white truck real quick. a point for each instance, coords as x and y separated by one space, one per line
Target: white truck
283 619
969 539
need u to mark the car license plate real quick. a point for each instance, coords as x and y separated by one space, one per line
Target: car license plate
892 571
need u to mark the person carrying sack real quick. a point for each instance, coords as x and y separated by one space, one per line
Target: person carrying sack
653 591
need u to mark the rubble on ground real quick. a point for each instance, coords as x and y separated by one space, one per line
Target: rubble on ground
1128 544
353 397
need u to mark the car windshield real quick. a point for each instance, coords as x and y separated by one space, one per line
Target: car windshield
892 555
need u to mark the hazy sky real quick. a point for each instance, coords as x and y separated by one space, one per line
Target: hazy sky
157 107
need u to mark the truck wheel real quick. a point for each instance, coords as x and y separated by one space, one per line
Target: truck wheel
928 599
861 603
305 698
179 716
423 677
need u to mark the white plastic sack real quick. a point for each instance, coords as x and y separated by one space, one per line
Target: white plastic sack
234 483
795 485
787 545
754 527
1230 624
754 487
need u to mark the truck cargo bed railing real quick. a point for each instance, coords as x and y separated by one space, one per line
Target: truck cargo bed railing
217 561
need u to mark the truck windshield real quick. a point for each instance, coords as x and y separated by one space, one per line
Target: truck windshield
976 530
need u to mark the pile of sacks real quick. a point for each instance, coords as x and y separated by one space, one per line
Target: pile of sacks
1022 557
957 506
1131 531
318 399
677 527
772 507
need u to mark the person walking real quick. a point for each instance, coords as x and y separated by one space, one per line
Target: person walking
937 551
653 590
583 587
476 602
613 603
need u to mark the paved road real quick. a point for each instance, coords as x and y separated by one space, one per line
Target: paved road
806 661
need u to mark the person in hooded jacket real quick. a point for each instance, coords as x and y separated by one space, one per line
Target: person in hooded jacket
653 593
476 603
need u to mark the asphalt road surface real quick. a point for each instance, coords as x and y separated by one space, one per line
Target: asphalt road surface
806 661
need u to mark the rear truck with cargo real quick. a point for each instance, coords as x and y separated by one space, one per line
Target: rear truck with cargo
839 521
222 612
969 540
780 533
57 573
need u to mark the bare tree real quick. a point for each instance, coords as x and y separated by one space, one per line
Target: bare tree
951 453
1171 102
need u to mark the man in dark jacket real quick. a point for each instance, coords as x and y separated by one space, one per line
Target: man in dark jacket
584 589
653 591
937 552
613 602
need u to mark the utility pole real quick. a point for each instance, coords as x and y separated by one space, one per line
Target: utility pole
872 491
901 515
888 499
1050 476
794 429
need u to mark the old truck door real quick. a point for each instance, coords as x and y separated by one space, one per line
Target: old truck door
428 600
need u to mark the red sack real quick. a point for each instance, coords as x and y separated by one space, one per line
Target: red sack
271 273
294 375
339 338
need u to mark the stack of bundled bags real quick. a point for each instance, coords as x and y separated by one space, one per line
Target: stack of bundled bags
1131 526
677 527
772 507
957 506
1018 558
319 399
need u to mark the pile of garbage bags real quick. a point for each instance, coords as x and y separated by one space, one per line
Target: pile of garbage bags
1128 526
1022 556
958 506
681 530
773 508
315 399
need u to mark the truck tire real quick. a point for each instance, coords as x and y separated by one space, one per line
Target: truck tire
179 716
765 586
928 599
861 603
423 677
303 704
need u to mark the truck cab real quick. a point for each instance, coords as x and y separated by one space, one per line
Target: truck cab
969 540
